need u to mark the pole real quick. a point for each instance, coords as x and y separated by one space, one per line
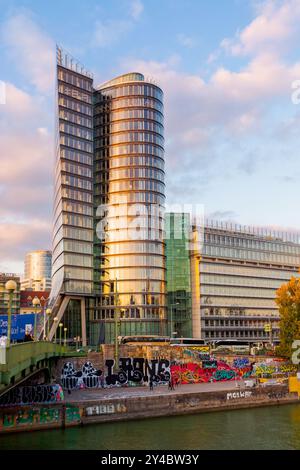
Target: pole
171 309
44 331
34 330
48 321
10 298
60 328
117 327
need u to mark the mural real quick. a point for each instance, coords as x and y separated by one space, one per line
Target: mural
39 416
210 371
86 377
271 367
131 370
33 394
139 371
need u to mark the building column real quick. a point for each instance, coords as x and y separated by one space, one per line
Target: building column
83 322
195 284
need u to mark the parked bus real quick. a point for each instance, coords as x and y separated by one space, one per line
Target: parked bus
187 342
231 345
145 340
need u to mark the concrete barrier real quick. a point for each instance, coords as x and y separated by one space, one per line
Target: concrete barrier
38 417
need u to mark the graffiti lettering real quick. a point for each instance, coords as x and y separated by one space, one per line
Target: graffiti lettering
236 395
33 394
105 409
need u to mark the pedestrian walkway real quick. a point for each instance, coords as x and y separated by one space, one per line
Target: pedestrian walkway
144 391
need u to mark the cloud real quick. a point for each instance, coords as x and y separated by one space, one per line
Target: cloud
22 237
185 40
26 174
109 32
273 30
31 50
136 9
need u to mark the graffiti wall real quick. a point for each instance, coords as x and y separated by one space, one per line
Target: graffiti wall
140 371
39 417
33 394
130 371
211 370
272 367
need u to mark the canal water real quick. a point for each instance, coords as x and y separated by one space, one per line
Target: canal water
257 428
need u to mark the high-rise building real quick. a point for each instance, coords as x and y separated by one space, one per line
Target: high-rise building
37 272
110 153
129 198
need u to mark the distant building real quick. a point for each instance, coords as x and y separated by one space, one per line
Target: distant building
4 295
240 270
26 298
37 273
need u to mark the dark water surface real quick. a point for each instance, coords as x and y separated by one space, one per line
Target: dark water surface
256 428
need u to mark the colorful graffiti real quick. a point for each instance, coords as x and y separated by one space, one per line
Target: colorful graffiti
130 370
32 417
139 371
209 371
271 367
33 394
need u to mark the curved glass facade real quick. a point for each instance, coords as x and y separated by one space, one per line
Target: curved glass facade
129 197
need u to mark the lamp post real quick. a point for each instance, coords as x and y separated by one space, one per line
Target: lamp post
48 313
36 302
55 319
10 286
60 329
171 310
65 336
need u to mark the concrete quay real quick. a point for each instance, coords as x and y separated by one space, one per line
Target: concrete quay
83 407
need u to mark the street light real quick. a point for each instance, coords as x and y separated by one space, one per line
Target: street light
65 336
55 319
60 328
10 286
36 302
48 313
171 309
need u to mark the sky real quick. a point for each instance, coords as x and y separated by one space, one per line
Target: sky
230 72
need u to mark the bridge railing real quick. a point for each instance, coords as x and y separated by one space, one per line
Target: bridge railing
21 352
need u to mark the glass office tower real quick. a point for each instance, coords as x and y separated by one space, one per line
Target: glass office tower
129 198
72 258
72 243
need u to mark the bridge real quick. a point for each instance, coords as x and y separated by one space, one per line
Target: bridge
20 361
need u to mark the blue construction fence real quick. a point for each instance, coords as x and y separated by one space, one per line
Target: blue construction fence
20 324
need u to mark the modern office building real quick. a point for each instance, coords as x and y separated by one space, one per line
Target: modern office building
37 271
4 294
129 199
110 152
179 299
72 250
240 270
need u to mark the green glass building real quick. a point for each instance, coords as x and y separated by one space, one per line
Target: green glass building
178 275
